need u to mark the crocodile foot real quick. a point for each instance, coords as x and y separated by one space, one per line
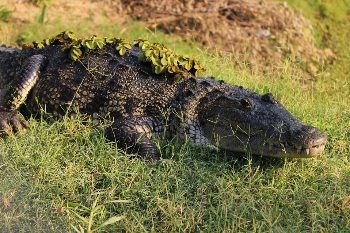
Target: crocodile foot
11 122
134 135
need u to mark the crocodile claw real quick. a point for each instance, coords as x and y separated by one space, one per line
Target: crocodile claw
11 122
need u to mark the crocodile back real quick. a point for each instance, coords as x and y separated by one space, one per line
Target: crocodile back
9 64
101 83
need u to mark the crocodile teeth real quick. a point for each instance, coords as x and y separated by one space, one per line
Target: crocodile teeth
298 149
307 151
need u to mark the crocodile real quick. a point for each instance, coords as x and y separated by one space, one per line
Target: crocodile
141 103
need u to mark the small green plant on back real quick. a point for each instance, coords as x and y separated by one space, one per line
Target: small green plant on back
162 59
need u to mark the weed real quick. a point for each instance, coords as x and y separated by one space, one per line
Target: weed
5 14
39 2
41 16
88 224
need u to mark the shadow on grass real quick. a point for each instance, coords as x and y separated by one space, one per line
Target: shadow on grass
180 151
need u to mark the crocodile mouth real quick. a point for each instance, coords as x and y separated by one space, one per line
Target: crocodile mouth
282 141
312 149
308 144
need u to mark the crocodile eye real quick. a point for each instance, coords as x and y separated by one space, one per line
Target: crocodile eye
268 98
246 103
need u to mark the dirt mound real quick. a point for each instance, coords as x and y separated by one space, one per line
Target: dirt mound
261 33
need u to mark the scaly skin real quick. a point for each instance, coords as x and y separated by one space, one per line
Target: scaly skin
102 84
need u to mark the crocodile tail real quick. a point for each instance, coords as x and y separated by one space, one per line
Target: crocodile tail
20 87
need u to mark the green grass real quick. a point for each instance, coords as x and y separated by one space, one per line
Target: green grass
60 167
64 176
5 14
331 20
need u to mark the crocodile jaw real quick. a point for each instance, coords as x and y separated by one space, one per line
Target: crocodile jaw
305 144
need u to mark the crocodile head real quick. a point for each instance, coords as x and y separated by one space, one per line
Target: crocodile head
240 120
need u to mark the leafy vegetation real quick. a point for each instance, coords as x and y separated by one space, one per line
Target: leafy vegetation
63 176
162 59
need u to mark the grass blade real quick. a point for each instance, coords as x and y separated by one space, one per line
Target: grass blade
111 220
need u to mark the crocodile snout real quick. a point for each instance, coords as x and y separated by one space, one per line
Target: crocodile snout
309 141
316 147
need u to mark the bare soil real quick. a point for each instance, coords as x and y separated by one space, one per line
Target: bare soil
259 33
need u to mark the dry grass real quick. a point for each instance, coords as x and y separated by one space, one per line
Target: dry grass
261 33
59 14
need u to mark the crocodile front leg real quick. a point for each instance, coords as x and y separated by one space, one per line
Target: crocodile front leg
14 96
134 135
